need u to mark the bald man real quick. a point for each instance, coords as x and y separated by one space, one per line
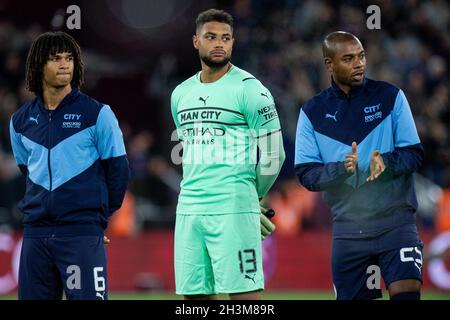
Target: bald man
357 143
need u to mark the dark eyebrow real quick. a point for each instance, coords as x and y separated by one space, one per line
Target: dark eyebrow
215 34
349 55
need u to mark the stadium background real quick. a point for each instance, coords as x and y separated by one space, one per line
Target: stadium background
137 51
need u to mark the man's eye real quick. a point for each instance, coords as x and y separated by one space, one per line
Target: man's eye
209 37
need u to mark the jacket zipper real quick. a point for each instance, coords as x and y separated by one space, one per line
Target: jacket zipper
349 101
49 144
357 165
48 163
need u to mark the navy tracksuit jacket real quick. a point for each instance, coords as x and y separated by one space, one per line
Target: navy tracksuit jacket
75 165
377 116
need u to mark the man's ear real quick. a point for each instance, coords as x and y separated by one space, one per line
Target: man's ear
195 41
328 63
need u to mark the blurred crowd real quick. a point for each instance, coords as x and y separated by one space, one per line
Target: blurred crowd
280 43
411 51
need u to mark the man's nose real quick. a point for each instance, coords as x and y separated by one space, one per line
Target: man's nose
358 63
219 43
64 64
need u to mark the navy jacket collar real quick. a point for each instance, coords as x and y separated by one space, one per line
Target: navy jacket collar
67 99
353 91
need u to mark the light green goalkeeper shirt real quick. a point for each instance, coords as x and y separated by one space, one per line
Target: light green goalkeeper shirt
218 124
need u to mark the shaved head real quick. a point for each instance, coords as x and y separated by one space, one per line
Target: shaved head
345 59
335 38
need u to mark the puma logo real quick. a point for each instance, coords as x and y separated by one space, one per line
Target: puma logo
251 278
265 95
100 295
203 100
331 116
35 119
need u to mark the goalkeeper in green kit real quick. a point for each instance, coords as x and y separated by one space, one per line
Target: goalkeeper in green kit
224 117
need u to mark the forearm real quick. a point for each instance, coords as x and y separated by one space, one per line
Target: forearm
271 160
319 177
117 174
403 160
